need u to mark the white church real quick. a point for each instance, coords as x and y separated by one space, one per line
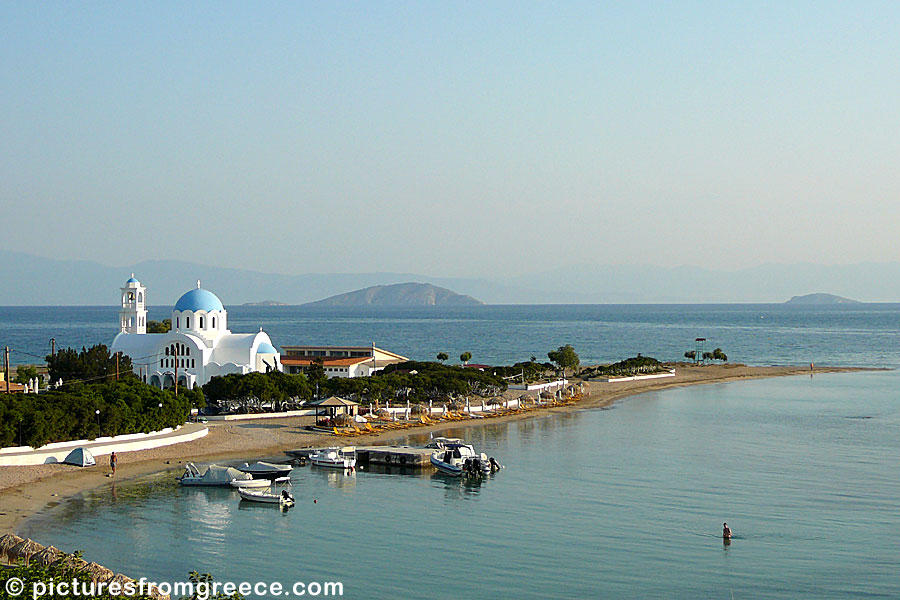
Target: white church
198 347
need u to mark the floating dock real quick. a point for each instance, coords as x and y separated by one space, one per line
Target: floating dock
391 456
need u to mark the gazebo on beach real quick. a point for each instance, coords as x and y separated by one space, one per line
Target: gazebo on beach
336 406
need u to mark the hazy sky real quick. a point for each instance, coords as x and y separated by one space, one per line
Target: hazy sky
451 138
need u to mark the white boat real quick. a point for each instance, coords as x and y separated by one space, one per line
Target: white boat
242 484
284 498
442 442
335 458
264 470
215 475
459 459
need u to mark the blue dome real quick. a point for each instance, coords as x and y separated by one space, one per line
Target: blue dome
132 280
265 348
199 299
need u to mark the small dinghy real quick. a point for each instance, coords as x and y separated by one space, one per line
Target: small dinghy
243 484
264 470
282 498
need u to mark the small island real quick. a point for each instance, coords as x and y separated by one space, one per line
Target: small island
821 299
399 294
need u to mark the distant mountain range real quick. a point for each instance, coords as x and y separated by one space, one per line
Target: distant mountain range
821 299
31 280
399 294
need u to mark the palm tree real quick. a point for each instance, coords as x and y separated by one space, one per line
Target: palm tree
465 357
442 356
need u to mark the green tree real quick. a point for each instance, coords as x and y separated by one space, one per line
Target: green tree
465 357
92 364
690 355
565 357
442 356
717 354
164 326
25 373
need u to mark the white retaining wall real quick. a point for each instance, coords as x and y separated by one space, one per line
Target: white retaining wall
240 417
57 452
636 377
540 387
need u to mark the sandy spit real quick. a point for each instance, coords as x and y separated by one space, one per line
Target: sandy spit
27 491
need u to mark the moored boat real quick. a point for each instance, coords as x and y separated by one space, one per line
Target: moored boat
242 484
264 470
335 458
215 475
283 498
458 459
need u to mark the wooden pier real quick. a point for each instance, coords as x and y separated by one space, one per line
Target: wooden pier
391 456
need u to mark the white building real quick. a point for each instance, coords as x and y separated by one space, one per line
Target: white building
198 347
339 361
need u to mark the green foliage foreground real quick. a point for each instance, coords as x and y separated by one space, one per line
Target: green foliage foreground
126 406
46 580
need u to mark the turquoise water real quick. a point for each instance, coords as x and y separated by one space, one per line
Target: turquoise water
619 503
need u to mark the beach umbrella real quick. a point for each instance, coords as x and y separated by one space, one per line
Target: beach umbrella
47 556
122 580
98 572
7 542
70 563
25 549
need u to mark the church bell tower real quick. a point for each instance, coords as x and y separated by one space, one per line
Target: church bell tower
133 314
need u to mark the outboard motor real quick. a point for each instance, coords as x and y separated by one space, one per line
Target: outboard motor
494 465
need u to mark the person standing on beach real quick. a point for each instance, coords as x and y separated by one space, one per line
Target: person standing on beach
113 459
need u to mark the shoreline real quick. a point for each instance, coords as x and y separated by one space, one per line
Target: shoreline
27 492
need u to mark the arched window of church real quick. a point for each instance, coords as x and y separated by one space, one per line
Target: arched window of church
167 350
177 322
187 322
140 297
130 295
201 322
192 363
213 322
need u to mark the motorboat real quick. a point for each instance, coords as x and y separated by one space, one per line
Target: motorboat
215 475
335 458
458 459
283 498
243 484
442 442
264 470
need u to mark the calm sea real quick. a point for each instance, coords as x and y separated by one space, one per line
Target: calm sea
759 334
620 503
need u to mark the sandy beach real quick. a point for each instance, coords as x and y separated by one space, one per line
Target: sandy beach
27 491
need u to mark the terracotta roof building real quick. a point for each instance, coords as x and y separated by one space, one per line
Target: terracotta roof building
339 361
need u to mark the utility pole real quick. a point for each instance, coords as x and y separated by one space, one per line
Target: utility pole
117 365
52 346
6 366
